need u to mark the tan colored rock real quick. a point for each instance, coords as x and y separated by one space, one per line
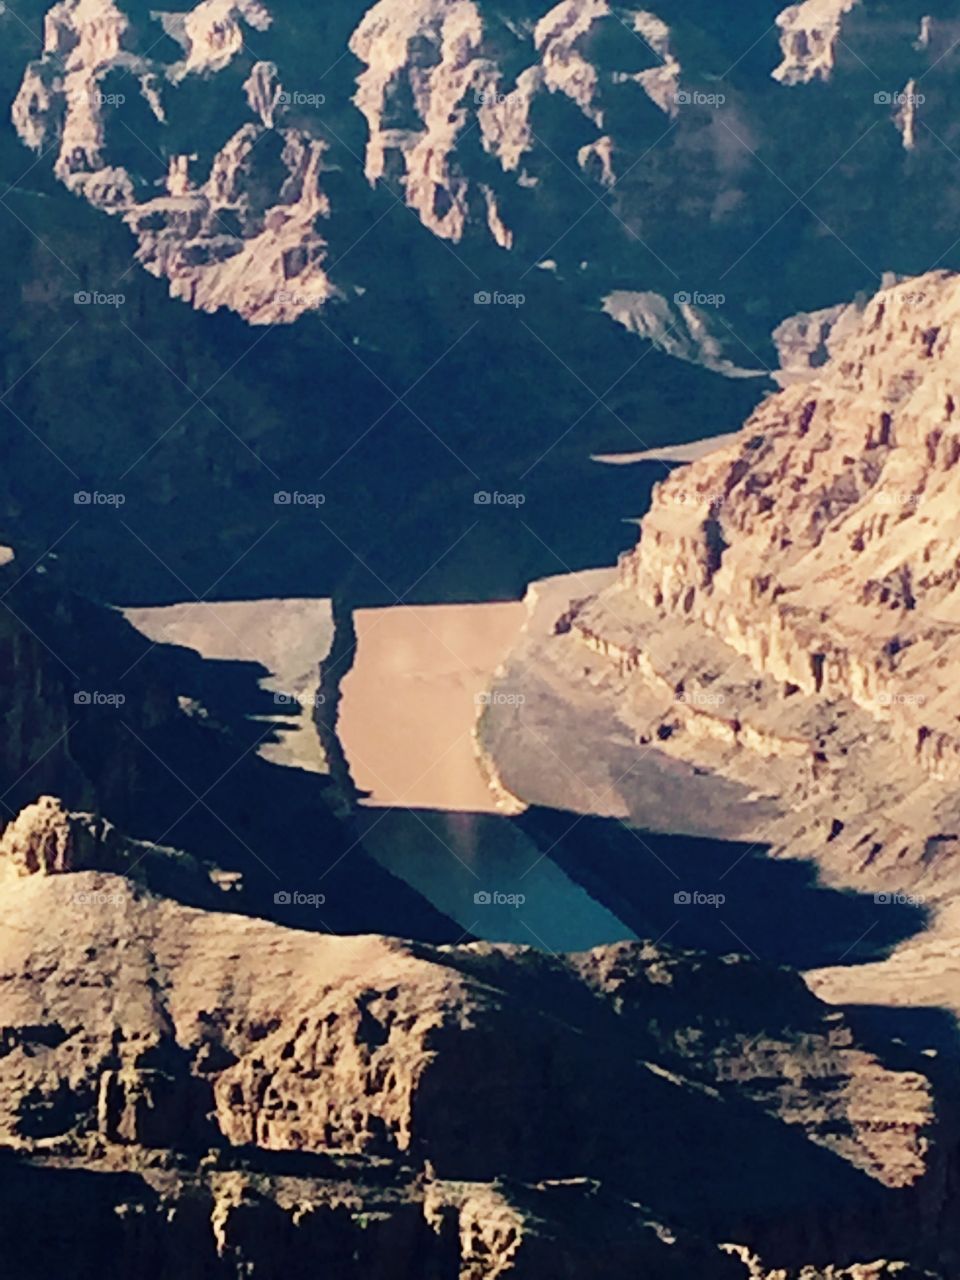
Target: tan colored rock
820 545
302 1042
210 236
810 32
44 839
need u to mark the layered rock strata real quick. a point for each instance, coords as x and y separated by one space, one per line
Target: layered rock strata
450 1096
781 648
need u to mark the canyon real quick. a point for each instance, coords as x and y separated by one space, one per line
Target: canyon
258 1075
270 1094
779 644
478 796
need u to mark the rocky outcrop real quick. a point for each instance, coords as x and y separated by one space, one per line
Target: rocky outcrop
435 72
471 116
162 1029
46 840
792 593
840 494
270 268
211 35
237 237
682 329
809 35
779 650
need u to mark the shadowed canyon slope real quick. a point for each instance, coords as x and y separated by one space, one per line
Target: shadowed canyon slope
782 643
407 872
350 1092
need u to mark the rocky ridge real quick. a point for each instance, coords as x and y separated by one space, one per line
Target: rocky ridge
809 35
782 643
233 238
387 1100
462 106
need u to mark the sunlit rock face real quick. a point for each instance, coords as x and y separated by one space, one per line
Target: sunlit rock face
809 35
784 633
821 545
158 1028
236 177
244 234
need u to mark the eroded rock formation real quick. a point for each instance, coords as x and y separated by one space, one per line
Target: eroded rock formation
236 237
809 35
781 645
456 1097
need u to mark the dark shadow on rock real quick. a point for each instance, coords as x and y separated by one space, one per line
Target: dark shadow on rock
720 896
184 783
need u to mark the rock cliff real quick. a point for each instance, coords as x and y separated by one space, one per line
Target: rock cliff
821 545
399 1101
809 35
471 115
782 643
